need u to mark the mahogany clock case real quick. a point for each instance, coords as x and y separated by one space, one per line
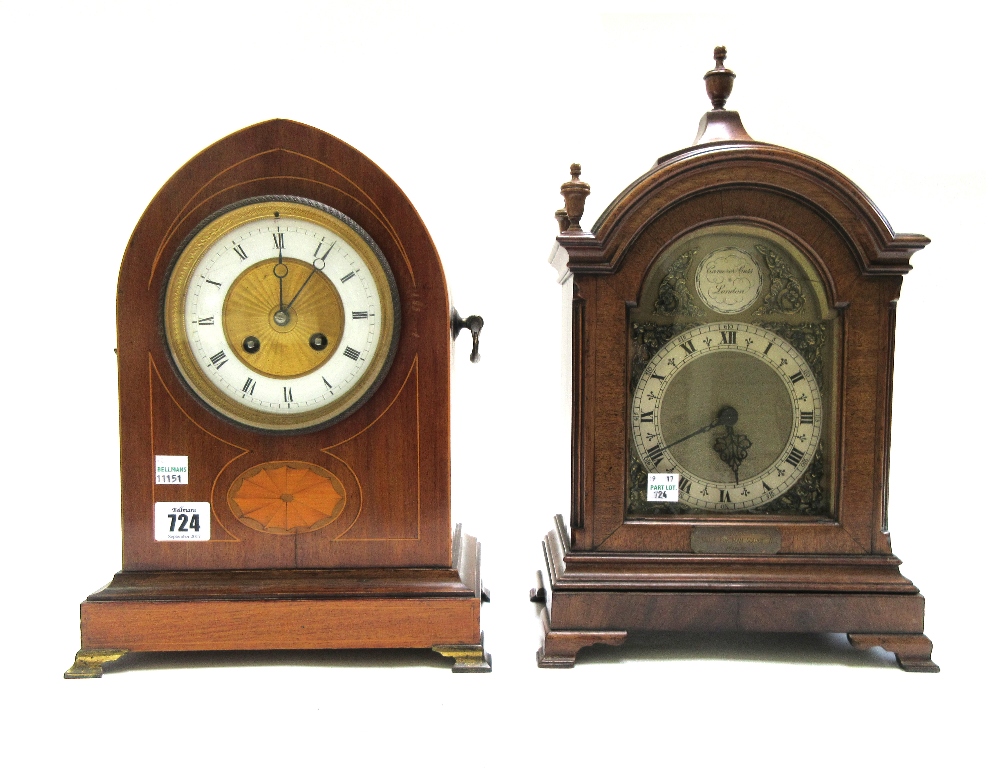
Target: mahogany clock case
384 569
796 559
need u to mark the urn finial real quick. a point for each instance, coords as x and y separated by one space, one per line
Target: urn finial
720 124
719 80
574 193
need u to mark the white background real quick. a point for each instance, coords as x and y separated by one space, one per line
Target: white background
477 110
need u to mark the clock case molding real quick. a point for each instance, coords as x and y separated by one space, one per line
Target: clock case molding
388 572
606 573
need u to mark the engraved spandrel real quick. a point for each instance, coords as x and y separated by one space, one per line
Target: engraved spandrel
807 497
673 296
647 340
784 295
808 339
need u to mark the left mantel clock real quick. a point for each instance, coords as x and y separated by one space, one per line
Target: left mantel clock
285 349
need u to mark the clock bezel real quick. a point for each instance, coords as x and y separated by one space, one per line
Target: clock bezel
186 366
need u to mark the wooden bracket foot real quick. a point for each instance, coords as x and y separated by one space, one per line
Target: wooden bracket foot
559 647
912 650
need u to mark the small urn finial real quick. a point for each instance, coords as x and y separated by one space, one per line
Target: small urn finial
721 123
574 193
719 80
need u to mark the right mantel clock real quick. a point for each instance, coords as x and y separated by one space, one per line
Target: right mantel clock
732 317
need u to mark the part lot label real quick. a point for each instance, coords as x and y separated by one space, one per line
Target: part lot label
662 488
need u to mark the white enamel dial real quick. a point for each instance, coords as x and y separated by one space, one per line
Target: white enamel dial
281 314
733 409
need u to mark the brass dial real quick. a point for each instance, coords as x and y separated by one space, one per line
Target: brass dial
734 410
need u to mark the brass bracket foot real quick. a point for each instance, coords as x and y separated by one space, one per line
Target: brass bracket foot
469 658
89 663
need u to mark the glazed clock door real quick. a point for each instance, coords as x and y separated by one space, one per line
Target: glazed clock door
733 376
728 354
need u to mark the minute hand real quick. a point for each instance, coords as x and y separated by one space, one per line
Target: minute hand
296 296
318 264
726 416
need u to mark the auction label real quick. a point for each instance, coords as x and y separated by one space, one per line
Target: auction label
182 521
171 469
662 488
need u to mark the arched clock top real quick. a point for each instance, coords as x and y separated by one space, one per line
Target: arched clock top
719 170
284 157
286 161
723 163
732 267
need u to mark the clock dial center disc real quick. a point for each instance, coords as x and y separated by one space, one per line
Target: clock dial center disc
252 309
713 383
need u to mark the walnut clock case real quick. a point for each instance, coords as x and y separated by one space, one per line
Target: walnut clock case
732 317
285 348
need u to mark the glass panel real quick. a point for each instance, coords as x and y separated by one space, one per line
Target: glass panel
733 362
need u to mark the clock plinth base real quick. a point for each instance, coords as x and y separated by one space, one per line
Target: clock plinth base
380 608
599 597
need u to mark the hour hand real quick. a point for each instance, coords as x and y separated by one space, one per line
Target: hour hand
733 449
280 270
727 416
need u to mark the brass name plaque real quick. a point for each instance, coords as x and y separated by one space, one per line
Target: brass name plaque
724 540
